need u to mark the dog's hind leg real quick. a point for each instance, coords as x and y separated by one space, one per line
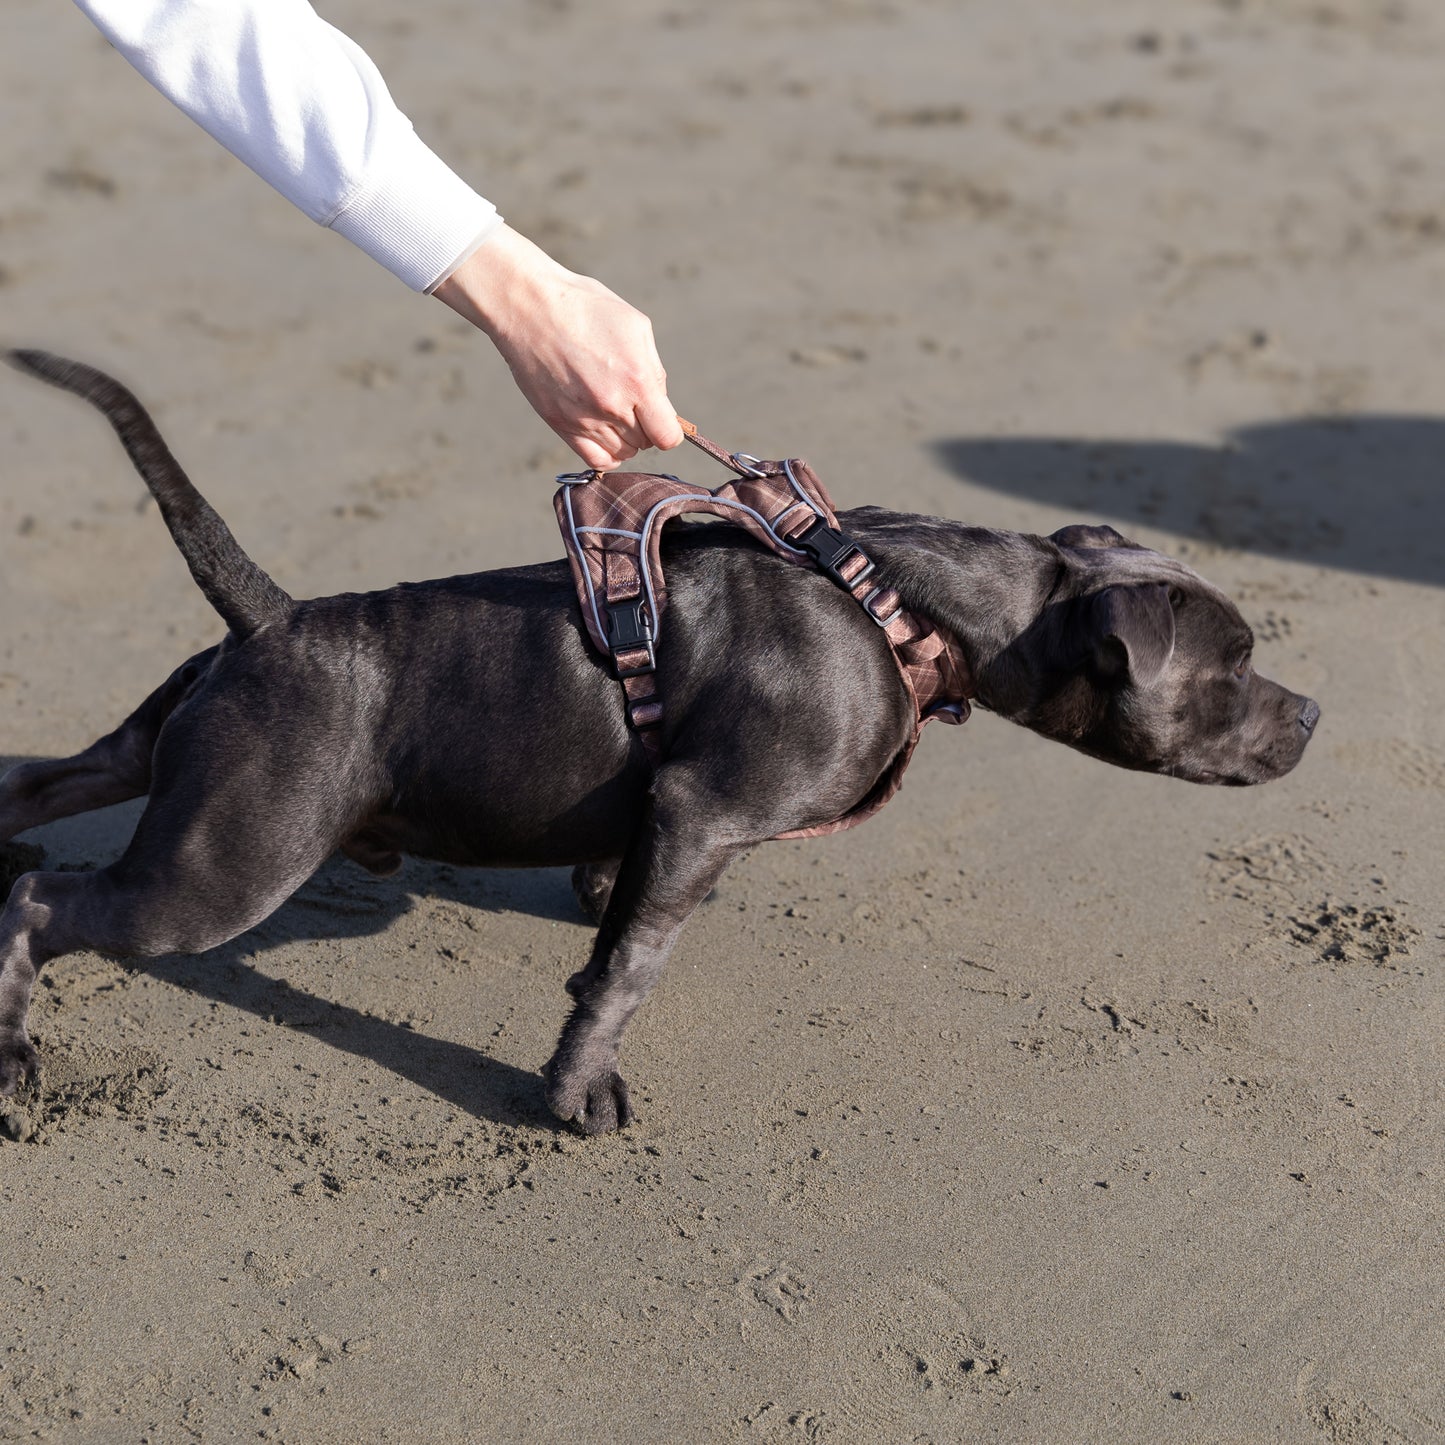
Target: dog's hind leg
684 844
50 788
43 918
112 770
213 854
141 911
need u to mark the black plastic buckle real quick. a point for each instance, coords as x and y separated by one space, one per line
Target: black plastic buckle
628 628
830 549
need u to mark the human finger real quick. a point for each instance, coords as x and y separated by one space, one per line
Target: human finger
603 448
597 457
657 422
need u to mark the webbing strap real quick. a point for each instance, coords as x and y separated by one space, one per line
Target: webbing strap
728 459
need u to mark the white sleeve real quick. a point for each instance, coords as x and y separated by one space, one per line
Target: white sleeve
305 108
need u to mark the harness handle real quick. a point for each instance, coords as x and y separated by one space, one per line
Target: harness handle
740 462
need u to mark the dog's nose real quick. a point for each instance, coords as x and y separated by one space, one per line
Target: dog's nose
1309 714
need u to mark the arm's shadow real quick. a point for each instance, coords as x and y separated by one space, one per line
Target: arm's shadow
1359 492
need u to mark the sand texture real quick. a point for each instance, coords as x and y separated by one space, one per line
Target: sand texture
1057 1104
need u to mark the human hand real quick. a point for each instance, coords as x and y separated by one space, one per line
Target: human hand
582 356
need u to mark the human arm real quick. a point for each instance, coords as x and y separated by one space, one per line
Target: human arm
582 356
305 108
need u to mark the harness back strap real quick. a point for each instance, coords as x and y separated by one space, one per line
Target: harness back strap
612 527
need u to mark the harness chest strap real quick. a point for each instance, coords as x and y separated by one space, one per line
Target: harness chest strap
612 526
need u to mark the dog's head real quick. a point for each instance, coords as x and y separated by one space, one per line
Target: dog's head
1101 644
1136 659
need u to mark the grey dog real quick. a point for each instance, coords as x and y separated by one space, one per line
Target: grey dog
468 720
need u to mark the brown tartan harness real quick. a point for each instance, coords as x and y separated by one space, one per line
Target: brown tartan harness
612 528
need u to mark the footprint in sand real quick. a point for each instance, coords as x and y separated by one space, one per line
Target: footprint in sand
83 1081
1411 764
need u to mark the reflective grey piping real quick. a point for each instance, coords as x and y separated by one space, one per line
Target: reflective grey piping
797 487
715 502
582 562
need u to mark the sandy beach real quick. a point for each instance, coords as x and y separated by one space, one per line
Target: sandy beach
1057 1104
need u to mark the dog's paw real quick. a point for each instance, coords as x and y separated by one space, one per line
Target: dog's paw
18 1060
596 1103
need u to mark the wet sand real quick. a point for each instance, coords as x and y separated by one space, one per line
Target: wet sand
1057 1104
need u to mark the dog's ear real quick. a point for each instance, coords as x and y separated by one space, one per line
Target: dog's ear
1078 535
1130 632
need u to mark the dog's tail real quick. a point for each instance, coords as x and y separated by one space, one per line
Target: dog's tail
232 583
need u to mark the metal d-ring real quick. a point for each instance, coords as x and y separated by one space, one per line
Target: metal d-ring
575 479
748 464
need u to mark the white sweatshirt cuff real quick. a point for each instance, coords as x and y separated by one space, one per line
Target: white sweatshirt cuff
415 215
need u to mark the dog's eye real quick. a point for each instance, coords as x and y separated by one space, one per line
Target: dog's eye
1176 598
1241 668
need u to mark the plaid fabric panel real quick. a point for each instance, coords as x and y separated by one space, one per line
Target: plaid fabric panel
625 512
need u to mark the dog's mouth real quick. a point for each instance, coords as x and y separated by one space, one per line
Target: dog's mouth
1208 778
1248 774
1224 780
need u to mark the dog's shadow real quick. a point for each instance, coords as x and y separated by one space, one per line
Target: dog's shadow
1357 492
340 901
465 1077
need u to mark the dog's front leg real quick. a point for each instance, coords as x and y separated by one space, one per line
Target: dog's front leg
592 887
679 853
